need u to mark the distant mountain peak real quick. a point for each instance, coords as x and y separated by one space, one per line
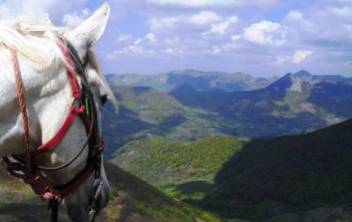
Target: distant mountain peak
282 83
302 73
196 72
299 82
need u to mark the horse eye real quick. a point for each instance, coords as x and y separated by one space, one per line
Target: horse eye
104 98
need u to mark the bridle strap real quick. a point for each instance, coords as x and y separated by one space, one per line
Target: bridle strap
31 173
23 108
75 110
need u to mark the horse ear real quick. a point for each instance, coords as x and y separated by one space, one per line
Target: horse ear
90 30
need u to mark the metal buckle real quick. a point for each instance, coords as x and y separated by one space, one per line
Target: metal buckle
92 214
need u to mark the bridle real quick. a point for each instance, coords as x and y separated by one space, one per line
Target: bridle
22 166
83 106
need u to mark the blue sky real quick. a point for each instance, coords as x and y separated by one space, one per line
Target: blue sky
263 37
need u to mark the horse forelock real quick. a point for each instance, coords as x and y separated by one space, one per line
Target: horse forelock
27 35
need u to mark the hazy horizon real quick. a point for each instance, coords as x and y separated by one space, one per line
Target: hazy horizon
234 72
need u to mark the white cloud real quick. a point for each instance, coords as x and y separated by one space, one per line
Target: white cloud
14 8
215 50
43 8
225 47
205 17
222 27
301 55
280 60
297 57
150 37
74 19
345 11
138 41
86 12
172 52
34 7
294 15
235 37
300 26
174 40
199 19
265 32
124 38
128 50
71 19
162 23
139 46
215 3
196 3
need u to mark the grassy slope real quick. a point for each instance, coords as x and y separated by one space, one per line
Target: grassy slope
18 203
287 174
132 200
182 170
163 163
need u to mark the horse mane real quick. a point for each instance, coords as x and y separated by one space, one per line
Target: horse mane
24 34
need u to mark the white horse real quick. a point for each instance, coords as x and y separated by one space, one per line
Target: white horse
49 98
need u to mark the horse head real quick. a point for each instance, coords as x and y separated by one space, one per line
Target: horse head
49 99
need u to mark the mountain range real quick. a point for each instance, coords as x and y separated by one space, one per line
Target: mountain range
200 80
293 104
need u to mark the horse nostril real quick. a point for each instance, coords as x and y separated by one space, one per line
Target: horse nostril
104 98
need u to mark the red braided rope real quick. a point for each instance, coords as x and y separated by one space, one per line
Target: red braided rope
23 107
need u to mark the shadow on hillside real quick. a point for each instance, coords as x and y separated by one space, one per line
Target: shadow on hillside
210 100
195 187
28 212
272 176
